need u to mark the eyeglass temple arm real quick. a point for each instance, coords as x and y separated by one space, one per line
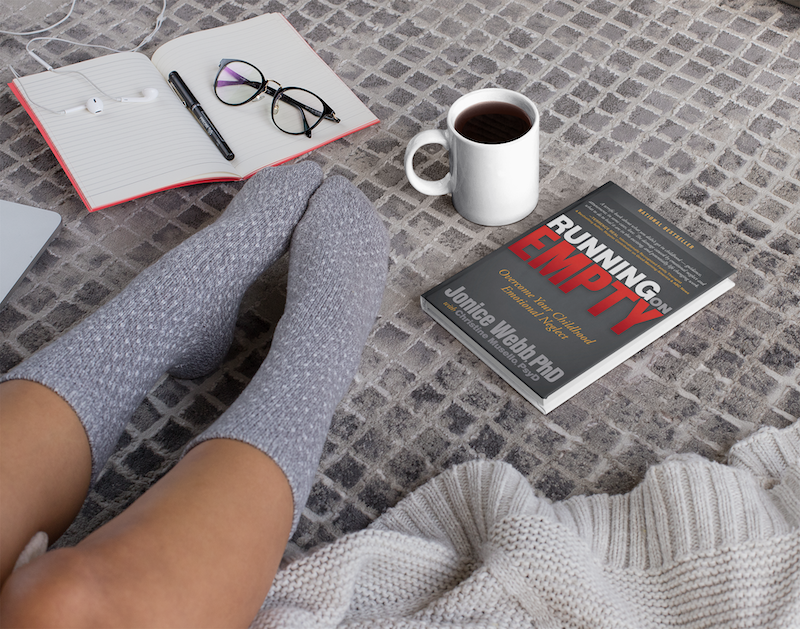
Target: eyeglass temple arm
306 128
328 115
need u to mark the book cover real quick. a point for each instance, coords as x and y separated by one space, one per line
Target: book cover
556 308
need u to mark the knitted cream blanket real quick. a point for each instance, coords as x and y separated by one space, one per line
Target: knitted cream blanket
696 544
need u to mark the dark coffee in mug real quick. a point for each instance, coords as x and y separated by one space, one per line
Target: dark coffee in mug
493 122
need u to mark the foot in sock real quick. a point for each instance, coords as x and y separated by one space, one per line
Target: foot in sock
337 270
178 315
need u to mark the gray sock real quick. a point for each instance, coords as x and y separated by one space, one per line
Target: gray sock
178 315
337 270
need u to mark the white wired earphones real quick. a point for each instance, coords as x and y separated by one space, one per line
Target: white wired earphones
93 105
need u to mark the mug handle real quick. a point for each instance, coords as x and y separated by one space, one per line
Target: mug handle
432 136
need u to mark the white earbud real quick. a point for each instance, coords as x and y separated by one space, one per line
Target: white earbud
93 106
149 94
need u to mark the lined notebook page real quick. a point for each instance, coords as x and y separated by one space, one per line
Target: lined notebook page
271 44
130 149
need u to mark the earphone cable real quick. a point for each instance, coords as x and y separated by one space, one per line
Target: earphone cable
145 41
49 68
46 28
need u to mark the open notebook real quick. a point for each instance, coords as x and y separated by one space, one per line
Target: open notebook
24 233
133 149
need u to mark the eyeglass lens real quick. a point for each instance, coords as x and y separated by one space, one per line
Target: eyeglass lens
238 82
297 111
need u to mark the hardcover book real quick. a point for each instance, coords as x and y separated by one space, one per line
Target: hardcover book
133 149
555 309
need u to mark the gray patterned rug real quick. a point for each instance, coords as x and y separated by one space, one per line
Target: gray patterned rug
693 106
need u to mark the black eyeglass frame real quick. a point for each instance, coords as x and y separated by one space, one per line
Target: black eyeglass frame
327 112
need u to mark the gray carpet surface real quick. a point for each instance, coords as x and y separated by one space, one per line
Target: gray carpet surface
693 106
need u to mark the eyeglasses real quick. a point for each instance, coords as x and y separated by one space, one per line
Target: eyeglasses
295 110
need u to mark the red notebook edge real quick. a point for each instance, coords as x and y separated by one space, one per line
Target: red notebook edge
316 146
26 106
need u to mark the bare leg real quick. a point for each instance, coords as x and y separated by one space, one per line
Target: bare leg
45 464
177 316
200 548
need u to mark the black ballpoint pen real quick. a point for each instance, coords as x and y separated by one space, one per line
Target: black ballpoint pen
191 103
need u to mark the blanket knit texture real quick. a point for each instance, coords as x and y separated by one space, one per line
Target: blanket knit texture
696 544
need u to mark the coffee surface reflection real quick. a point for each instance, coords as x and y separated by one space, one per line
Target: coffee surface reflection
493 122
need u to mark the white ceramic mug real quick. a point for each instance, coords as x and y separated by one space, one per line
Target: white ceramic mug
491 184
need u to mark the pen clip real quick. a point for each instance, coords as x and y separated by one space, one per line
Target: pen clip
172 85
